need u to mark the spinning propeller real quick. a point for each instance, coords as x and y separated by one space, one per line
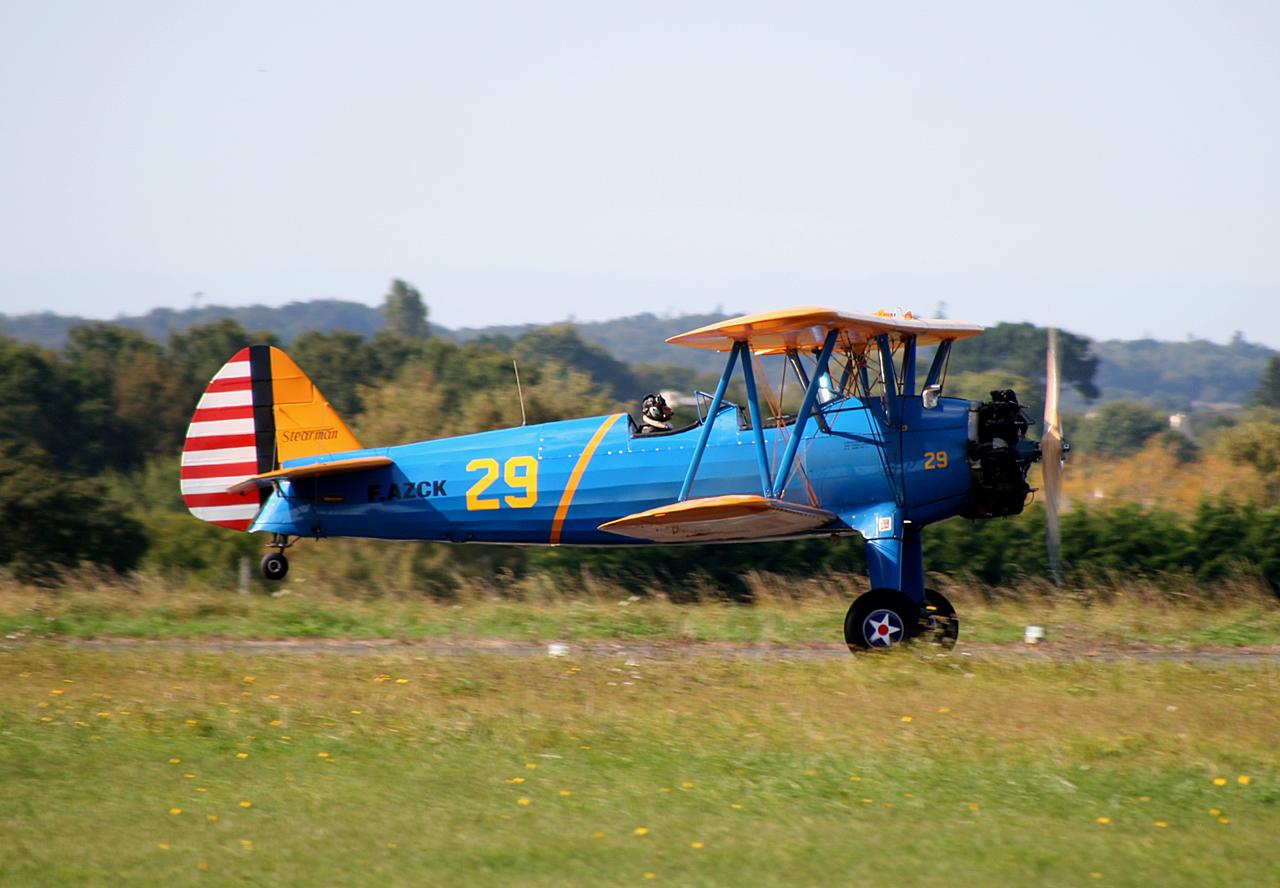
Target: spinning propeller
1051 449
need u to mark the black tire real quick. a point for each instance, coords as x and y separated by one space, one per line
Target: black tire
879 620
274 565
938 623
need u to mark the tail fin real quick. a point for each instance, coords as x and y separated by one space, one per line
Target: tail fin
258 411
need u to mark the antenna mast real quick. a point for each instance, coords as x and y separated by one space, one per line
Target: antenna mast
520 391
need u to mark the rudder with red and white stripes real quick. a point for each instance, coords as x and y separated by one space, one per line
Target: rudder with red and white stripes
231 438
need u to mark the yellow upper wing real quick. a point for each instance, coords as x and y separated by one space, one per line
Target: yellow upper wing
806 327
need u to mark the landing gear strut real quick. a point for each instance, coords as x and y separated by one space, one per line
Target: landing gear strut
274 564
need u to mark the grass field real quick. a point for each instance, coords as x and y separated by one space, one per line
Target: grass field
174 767
789 613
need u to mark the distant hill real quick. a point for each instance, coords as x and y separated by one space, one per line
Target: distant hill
1179 375
1169 375
639 339
287 321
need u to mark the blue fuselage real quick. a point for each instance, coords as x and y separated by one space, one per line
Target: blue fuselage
557 483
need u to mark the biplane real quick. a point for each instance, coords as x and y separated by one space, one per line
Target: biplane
873 449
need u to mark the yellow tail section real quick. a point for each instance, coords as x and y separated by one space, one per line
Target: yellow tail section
306 424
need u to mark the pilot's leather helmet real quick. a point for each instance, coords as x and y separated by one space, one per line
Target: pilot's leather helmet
655 407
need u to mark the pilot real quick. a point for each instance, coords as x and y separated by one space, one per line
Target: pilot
655 415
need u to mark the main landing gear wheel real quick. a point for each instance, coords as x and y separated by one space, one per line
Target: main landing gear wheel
274 565
879 620
938 623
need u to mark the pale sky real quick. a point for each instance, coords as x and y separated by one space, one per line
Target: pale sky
1111 167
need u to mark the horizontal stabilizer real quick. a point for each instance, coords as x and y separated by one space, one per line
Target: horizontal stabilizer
314 470
739 517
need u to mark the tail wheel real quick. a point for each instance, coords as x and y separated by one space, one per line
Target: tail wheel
879 620
275 565
938 622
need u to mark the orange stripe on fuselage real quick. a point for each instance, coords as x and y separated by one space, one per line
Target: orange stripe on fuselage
562 511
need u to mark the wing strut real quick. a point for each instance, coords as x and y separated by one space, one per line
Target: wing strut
888 381
738 347
757 425
909 366
806 407
939 363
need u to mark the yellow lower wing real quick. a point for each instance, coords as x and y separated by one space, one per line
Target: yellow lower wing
738 517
